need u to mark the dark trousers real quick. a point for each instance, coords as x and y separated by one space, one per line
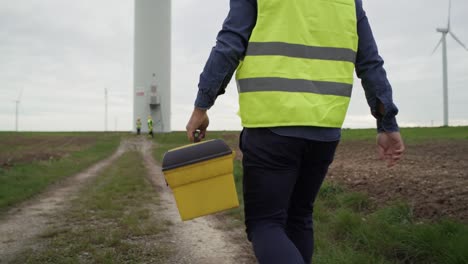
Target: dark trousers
282 176
138 131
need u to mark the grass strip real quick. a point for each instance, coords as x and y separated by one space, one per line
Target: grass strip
114 220
348 230
411 135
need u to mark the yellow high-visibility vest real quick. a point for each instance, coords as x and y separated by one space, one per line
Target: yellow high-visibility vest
150 124
299 64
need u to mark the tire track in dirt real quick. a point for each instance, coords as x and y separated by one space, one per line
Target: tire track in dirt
20 225
197 241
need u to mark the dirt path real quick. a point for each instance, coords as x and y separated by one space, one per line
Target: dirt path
198 241
20 225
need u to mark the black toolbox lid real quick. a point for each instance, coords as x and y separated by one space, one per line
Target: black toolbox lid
195 153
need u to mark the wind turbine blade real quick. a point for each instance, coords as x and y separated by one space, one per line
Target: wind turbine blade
438 44
20 94
459 42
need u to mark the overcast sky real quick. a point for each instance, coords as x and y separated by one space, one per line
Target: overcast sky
64 53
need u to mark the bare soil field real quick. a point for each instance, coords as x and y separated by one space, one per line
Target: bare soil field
432 177
17 149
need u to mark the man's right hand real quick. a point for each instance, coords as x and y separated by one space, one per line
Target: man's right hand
390 147
198 121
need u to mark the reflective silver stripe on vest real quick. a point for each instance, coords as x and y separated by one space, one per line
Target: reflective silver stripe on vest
294 85
300 51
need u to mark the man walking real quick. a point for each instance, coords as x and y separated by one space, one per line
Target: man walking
150 126
295 62
138 126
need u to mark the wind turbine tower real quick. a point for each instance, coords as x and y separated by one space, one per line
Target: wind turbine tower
17 102
443 40
152 64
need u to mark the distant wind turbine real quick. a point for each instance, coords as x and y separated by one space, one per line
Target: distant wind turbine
18 101
443 40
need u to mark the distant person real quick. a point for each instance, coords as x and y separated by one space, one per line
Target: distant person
150 126
295 62
138 126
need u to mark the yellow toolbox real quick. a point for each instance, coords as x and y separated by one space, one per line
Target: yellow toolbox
201 178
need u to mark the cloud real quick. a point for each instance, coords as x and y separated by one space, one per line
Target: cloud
63 54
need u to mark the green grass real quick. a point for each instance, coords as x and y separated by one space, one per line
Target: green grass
348 232
114 220
238 213
22 181
411 134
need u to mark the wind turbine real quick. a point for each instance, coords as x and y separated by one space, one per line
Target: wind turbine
443 40
17 102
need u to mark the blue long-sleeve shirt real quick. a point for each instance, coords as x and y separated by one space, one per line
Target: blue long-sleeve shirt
231 46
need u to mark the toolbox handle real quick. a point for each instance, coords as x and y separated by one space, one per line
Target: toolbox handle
196 135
